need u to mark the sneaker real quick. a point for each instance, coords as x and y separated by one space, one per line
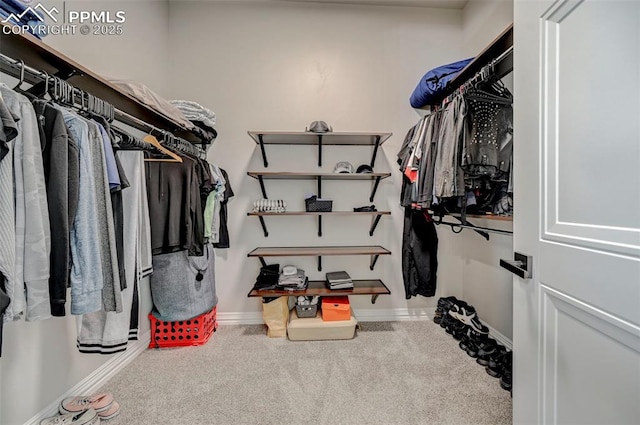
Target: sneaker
88 417
111 412
98 402
466 314
506 378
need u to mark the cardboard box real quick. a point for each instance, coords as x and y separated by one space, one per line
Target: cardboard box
335 308
316 329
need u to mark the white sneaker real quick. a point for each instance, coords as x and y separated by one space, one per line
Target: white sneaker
88 417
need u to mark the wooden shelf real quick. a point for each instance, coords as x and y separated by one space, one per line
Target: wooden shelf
373 287
263 138
320 213
375 216
308 138
319 251
42 57
284 175
306 251
261 176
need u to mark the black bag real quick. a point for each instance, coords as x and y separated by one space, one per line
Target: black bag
268 277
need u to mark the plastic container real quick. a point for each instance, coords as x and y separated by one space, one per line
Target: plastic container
316 329
306 311
183 333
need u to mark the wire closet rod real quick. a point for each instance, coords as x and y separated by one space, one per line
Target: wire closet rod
22 70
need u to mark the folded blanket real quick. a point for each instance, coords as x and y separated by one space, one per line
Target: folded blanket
195 112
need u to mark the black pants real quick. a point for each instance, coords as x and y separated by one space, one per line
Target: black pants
419 254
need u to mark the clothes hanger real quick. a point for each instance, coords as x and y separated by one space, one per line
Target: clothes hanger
154 142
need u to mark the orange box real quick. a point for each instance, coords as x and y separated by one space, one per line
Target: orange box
336 308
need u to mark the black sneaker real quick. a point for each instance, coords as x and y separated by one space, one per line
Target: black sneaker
488 351
496 366
506 378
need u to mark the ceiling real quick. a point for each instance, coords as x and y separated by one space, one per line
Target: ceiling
441 4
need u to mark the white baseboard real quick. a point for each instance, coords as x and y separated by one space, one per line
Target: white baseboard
500 337
240 318
94 381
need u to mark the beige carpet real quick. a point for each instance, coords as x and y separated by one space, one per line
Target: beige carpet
390 373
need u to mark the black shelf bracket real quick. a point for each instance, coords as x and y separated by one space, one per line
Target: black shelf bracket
319 187
319 226
375 188
264 226
374 259
262 188
375 151
264 263
264 152
374 224
319 150
374 297
319 263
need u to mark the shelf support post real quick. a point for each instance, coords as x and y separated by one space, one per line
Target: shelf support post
374 259
264 153
319 186
264 263
320 225
264 226
375 188
374 297
375 151
264 191
319 263
319 150
376 220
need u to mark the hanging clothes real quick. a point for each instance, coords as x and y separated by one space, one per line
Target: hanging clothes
29 291
109 332
419 254
223 231
61 172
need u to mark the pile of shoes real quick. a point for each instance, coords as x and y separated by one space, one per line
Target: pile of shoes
84 410
460 320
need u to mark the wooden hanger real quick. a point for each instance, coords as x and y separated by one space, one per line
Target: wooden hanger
173 157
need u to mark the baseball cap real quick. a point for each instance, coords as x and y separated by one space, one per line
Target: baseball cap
343 167
364 169
319 127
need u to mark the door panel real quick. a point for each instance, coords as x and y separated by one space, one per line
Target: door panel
577 199
587 335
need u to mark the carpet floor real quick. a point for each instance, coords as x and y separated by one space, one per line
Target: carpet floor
391 373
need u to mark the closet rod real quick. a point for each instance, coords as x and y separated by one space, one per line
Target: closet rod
18 69
476 228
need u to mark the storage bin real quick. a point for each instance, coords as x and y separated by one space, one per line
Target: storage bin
335 308
316 329
183 333
305 311
314 204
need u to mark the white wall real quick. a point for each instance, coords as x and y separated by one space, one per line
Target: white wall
279 66
40 361
485 285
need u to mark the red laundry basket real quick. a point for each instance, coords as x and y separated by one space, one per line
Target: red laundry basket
183 333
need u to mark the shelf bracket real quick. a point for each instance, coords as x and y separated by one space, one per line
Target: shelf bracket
319 263
374 259
262 188
264 226
374 224
264 153
320 226
264 263
375 188
319 150
375 151
374 297
319 187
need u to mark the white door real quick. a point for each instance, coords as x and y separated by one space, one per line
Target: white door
576 329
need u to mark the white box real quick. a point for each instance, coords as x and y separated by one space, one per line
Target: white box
316 329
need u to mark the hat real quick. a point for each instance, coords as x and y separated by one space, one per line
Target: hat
343 167
319 127
364 169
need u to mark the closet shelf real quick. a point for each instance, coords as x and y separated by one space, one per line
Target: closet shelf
38 55
373 287
319 251
263 138
267 175
375 217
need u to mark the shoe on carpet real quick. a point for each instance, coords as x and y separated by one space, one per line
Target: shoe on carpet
111 412
466 314
488 350
99 402
87 417
506 378
496 366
